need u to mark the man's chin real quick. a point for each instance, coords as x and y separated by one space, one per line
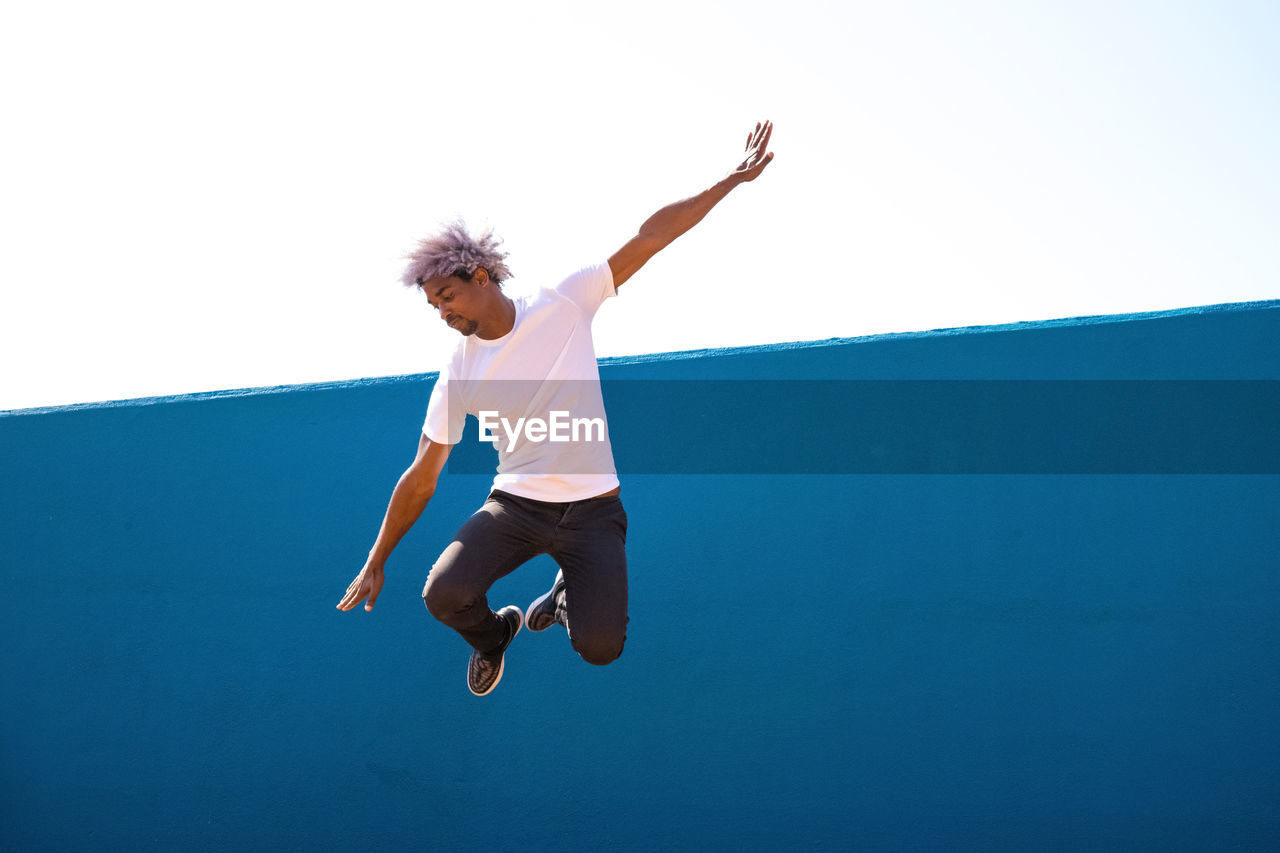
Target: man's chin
466 328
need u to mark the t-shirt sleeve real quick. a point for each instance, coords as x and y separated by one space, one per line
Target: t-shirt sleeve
446 412
589 287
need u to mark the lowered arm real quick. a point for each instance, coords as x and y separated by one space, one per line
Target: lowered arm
408 500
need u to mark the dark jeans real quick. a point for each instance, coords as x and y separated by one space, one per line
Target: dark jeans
587 538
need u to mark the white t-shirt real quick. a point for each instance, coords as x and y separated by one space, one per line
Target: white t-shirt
544 372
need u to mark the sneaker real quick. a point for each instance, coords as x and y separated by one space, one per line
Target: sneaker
484 671
542 613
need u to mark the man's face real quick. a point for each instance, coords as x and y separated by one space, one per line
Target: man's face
456 299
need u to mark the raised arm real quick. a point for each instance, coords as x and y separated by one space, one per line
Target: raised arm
667 224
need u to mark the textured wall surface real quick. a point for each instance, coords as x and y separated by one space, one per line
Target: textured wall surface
984 660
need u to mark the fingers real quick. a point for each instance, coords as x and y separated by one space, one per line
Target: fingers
760 139
758 153
367 585
758 144
767 132
355 592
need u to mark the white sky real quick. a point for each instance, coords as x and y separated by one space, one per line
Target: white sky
208 196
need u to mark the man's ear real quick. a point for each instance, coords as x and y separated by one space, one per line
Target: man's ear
480 277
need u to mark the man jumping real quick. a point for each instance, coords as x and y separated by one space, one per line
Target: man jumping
527 368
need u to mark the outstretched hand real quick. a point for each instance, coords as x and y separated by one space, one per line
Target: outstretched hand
367 584
657 232
758 153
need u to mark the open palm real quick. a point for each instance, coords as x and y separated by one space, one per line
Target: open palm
758 153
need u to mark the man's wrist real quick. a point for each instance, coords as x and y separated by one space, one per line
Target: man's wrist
728 182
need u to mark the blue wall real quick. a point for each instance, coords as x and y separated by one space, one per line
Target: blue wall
992 661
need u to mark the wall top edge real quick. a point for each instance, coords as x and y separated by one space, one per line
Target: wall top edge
681 355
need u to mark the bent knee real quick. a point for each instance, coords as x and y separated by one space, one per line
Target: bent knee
445 598
599 651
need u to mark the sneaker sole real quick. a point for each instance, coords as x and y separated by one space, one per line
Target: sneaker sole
538 602
502 666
